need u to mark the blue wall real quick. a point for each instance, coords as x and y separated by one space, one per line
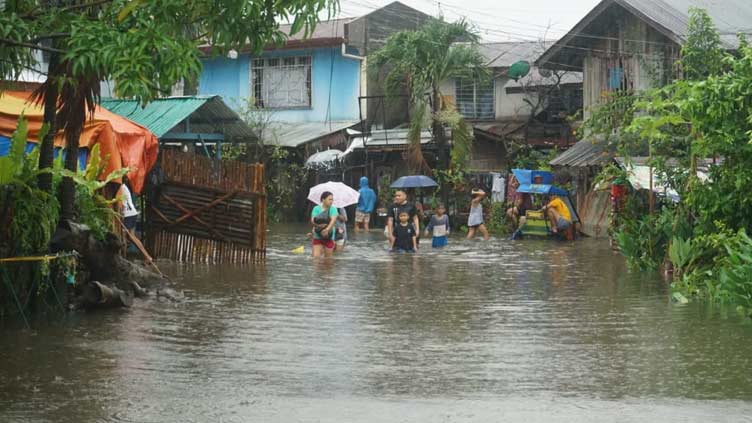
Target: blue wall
232 80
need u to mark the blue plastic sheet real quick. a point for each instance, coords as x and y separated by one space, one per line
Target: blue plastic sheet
537 182
83 153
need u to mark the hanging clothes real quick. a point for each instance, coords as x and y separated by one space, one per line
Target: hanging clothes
497 188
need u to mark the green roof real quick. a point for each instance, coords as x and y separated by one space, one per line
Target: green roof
162 115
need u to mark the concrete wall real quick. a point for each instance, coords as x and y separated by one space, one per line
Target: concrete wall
509 106
369 33
335 84
506 106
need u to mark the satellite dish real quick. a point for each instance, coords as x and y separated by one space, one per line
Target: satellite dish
518 70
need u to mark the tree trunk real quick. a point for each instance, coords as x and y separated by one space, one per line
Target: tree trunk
68 188
439 133
47 145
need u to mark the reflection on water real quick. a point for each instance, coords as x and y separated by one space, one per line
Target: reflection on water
482 331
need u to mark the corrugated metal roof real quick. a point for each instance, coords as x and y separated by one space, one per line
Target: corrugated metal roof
295 134
584 153
324 29
504 54
671 17
209 114
729 16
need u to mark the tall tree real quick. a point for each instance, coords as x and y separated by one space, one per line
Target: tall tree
702 54
419 61
145 47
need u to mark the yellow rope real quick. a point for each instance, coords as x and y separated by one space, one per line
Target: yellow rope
33 258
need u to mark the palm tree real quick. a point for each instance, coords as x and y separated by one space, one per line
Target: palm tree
419 61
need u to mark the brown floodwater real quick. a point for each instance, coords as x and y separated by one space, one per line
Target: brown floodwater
530 331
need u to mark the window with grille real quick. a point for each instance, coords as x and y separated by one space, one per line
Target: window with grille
282 82
475 100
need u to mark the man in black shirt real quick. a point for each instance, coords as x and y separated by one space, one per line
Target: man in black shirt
401 205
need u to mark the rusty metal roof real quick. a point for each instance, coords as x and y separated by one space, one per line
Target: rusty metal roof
584 153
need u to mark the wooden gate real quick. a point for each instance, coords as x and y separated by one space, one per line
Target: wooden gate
208 211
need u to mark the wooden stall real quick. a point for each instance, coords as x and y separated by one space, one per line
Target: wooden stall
208 211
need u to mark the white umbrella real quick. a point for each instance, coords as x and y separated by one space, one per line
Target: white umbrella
343 194
323 158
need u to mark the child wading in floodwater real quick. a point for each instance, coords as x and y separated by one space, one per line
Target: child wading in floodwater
404 238
475 219
439 227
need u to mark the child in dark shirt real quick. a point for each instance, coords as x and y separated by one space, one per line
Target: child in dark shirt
404 238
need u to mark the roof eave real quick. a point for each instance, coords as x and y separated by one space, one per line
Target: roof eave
546 59
288 45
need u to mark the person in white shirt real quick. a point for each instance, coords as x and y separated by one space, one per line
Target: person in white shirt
127 208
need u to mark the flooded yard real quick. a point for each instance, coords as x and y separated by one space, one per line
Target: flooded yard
532 331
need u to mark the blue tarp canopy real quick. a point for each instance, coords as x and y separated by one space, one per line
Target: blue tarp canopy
544 180
83 153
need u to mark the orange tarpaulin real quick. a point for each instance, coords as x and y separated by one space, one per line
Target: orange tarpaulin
123 142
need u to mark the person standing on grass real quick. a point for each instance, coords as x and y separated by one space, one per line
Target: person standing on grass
438 227
401 205
323 219
475 220
366 204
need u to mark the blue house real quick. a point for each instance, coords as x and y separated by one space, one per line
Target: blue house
313 87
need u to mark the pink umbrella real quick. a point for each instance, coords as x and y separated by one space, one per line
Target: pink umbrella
343 194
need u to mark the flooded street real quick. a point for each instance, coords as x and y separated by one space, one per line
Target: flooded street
531 331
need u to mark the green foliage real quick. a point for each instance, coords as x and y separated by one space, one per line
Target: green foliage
612 173
720 269
644 241
385 193
498 223
681 254
145 47
419 62
33 216
284 177
283 171
608 121
702 54
94 211
18 167
462 137
28 216
526 156
707 115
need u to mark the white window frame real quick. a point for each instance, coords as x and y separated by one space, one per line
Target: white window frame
259 64
475 100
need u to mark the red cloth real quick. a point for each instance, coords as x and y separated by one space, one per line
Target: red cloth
327 243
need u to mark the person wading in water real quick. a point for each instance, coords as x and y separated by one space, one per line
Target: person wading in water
401 205
323 219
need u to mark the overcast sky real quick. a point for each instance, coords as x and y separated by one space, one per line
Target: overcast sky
496 20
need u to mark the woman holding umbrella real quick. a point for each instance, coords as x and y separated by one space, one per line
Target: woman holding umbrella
329 197
323 218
